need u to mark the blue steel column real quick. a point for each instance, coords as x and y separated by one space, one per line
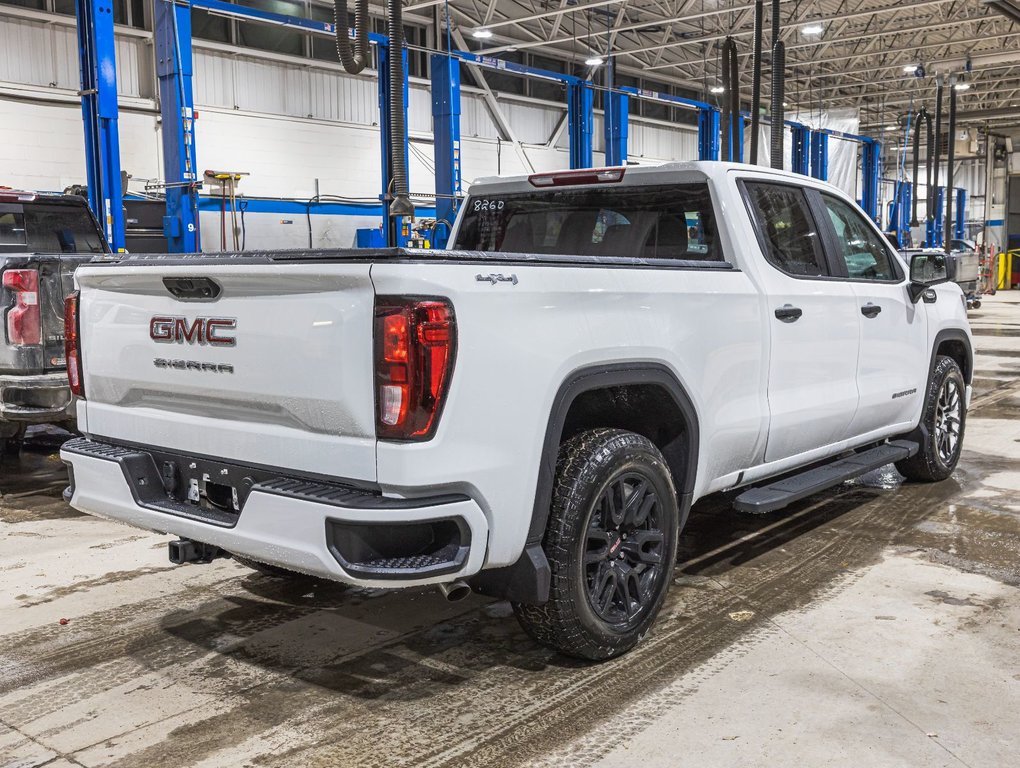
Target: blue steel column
960 222
820 155
708 134
869 178
616 126
97 57
801 159
579 124
937 226
171 24
737 140
394 238
899 213
615 118
446 133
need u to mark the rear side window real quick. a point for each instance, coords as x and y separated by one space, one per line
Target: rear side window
12 228
61 229
866 256
789 234
661 222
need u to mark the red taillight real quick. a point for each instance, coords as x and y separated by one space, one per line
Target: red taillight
415 343
582 176
23 319
72 348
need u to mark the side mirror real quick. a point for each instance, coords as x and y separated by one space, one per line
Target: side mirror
928 269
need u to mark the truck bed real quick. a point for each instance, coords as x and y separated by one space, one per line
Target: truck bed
397 255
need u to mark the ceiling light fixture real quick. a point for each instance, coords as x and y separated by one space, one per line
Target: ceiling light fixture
717 89
910 69
594 61
482 34
812 29
962 86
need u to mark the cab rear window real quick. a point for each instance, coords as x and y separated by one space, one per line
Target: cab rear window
674 221
44 228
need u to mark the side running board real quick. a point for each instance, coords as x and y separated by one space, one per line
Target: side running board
769 498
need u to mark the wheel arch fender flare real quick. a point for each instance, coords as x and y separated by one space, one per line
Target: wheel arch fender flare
603 377
957 335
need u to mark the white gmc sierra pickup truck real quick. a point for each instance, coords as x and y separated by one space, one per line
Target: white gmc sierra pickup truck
530 414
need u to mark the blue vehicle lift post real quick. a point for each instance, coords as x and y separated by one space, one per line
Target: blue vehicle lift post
97 58
171 24
899 212
446 133
615 119
936 226
579 123
820 155
870 171
801 159
960 222
708 133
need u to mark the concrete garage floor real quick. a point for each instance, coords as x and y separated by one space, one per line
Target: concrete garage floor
876 624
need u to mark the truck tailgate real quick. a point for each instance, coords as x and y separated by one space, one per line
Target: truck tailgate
293 391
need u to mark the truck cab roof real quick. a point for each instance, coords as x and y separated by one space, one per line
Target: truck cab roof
631 175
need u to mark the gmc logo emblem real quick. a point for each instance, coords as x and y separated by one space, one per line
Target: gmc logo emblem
214 331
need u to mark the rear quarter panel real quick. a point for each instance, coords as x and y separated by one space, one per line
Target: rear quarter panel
517 343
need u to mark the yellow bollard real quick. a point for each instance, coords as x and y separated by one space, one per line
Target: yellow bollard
1005 271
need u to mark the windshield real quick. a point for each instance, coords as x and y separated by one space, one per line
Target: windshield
674 221
48 228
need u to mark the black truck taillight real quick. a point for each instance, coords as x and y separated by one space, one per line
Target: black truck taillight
72 345
23 319
415 345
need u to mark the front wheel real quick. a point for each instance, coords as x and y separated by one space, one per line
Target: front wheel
943 419
611 543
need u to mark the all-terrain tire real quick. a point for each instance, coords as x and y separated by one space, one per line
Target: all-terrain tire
944 419
611 543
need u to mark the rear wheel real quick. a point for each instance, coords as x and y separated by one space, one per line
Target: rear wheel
611 543
944 419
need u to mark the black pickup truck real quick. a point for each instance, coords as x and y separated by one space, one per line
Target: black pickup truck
43 238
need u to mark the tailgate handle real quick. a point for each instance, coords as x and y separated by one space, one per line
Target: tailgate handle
193 288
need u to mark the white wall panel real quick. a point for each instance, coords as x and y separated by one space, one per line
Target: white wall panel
213 80
662 143
419 109
475 120
25 52
532 124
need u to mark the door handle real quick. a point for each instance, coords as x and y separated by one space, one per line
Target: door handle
788 313
870 310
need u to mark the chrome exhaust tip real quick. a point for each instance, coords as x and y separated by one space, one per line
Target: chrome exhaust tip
455 591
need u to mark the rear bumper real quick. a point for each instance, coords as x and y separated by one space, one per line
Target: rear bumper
327 530
36 399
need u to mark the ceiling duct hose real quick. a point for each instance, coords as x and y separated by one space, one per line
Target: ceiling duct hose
400 204
929 212
950 159
778 87
727 87
734 96
353 61
933 195
921 117
759 21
